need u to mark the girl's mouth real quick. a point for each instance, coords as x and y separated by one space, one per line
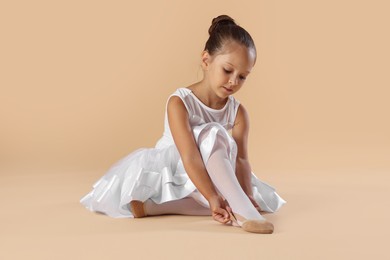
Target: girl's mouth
228 89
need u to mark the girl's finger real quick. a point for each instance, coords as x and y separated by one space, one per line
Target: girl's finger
229 209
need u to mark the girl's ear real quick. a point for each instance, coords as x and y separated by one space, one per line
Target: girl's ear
205 60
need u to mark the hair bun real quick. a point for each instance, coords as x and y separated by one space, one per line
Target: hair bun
220 21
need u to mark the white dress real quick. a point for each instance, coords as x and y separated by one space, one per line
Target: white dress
158 173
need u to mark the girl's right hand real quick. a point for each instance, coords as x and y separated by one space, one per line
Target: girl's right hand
219 209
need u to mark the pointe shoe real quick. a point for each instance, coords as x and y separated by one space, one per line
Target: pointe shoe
138 209
252 225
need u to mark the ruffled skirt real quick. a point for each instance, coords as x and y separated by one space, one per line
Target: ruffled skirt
158 174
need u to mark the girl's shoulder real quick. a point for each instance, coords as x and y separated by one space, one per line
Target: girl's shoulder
181 92
190 100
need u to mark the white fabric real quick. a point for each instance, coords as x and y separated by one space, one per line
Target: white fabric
221 171
199 114
158 173
186 206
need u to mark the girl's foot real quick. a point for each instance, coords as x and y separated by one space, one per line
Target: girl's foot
252 225
137 208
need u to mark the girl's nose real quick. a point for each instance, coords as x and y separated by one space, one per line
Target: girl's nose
233 81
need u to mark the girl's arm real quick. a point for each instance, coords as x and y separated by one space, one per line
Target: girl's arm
191 157
240 135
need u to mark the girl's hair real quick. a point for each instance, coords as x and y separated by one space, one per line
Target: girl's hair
224 29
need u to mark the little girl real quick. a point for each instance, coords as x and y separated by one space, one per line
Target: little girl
200 165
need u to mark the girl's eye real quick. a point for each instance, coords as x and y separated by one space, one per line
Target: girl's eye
227 71
242 78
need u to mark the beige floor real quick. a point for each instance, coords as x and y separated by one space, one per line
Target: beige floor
339 214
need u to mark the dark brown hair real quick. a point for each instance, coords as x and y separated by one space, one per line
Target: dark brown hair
224 29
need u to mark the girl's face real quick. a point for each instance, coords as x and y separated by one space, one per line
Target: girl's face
226 72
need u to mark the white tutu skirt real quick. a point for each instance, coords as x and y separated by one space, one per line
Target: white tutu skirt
158 174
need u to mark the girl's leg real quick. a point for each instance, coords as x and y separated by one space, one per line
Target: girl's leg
223 176
185 206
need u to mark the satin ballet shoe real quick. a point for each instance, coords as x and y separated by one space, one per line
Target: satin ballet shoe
252 225
138 209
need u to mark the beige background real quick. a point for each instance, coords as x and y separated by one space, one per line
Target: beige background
83 83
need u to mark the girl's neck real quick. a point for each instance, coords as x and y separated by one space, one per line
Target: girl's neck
205 93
